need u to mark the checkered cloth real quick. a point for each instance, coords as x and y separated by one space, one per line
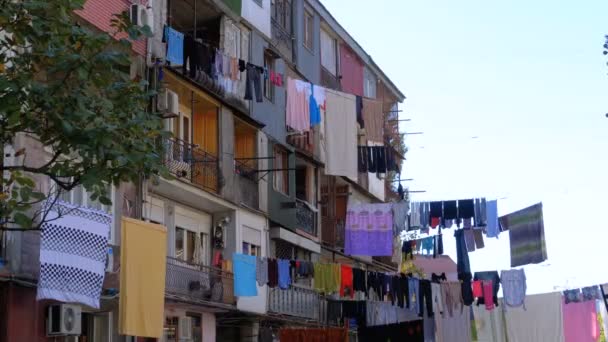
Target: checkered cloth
73 254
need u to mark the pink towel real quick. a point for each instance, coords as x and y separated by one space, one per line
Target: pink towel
580 322
488 294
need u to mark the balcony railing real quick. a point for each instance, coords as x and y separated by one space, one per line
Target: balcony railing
188 162
332 232
296 301
303 142
306 218
198 282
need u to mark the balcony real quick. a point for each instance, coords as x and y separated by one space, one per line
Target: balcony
282 38
296 301
187 162
332 231
198 283
306 218
304 142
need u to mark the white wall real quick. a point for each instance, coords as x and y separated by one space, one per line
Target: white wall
208 327
258 16
245 218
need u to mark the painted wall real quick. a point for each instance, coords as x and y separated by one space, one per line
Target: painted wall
308 62
257 12
256 222
351 70
100 12
271 113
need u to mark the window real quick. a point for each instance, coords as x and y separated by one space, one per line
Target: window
281 175
79 196
197 327
268 86
251 249
329 53
281 13
306 183
308 30
190 246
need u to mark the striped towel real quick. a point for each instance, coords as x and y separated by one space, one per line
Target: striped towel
527 235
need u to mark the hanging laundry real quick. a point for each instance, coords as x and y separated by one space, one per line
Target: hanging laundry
362 159
489 325
252 83
369 230
298 110
261 271
400 210
466 288
373 117
436 213
315 112
355 309
450 210
492 229
526 235
359 280
415 215
407 331
540 321
580 322
340 135
478 237
456 328
462 256
477 289
346 281
359 106
142 292
327 278
371 160
493 277
273 273
591 293
284 274
380 158
244 275
513 287
573 296
480 212
175 46
73 252
451 293
427 244
469 240
487 295
313 334
466 209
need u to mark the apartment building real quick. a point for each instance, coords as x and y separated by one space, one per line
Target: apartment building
243 181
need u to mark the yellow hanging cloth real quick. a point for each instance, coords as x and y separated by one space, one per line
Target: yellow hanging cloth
143 260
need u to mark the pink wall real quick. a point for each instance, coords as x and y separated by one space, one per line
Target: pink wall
100 12
351 70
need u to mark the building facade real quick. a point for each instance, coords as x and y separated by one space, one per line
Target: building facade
243 182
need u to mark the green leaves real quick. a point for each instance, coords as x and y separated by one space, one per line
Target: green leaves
69 87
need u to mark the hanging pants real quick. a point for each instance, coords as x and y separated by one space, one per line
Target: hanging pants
425 294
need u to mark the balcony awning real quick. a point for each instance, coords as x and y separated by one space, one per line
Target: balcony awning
295 239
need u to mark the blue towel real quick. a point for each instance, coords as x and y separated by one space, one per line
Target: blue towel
315 112
492 219
175 46
284 277
244 275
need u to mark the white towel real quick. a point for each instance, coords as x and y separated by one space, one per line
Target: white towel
341 134
542 320
73 254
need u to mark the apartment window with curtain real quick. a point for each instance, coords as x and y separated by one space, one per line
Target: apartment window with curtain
191 246
281 175
329 53
308 30
268 86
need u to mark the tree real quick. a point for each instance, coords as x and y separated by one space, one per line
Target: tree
69 88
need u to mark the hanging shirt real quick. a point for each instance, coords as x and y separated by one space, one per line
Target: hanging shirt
400 210
513 287
346 283
492 229
175 46
526 235
315 112
284 276
244 275
261 274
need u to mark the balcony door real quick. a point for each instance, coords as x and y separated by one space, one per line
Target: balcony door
192 236
205 124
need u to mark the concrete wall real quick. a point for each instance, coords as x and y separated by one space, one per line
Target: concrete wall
271 113
308 62
258 16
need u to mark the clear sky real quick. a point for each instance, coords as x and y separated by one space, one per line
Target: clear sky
527 78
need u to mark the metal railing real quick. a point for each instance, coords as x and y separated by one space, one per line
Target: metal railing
199 282
306 218
187 161
303 142
296 301
247 186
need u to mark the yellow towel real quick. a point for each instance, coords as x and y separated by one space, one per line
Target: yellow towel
142 278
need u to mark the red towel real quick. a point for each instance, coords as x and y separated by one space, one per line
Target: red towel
346 284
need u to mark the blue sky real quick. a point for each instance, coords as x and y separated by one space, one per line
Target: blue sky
527 78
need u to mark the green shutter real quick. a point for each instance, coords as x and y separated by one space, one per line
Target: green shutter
235 5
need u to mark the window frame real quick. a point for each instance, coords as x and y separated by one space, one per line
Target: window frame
308 29
283 154
336 53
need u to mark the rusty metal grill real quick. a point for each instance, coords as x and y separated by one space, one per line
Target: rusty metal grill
199 282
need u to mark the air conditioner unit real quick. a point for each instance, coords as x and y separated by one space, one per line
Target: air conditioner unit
142 16
168 102
185 328
63 319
